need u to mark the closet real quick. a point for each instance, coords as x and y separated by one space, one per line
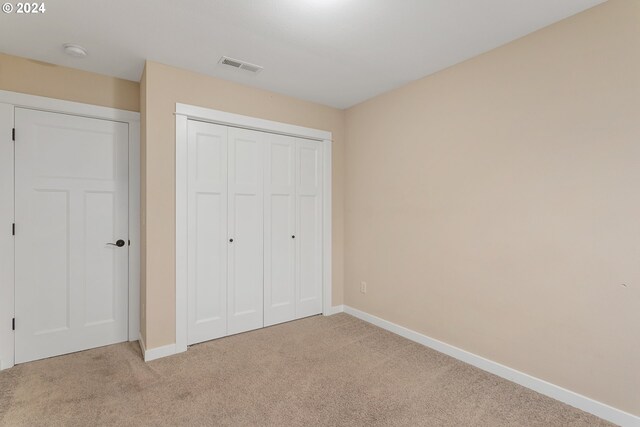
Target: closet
254 229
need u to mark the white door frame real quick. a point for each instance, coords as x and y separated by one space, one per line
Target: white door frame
185 112
8 102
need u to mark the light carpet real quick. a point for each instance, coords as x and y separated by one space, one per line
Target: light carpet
333 371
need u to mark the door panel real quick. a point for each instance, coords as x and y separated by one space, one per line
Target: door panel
100 278
71 181
309 228
279 221
51 303
254 230
245 278
207 231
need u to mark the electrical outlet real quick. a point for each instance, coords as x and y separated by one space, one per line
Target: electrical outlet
363 287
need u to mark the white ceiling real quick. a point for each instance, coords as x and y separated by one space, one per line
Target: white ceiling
335 52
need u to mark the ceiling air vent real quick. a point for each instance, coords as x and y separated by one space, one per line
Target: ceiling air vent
243 65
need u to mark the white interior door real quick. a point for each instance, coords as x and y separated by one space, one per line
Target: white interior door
309 228
207 231
71 190
279 232
245 235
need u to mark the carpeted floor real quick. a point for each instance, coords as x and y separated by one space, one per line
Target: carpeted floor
333 371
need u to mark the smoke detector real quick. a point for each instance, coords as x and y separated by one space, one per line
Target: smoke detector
75 50
242 65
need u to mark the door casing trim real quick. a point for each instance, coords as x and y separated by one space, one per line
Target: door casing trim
7 283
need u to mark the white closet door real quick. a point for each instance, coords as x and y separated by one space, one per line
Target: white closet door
279 233
71 190
207 231
245 236
309 228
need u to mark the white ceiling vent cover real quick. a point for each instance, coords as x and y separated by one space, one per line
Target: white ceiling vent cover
243 65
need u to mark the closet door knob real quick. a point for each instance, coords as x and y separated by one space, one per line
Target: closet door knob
231 240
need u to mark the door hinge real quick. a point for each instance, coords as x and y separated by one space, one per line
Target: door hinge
13 134
13 229
13 324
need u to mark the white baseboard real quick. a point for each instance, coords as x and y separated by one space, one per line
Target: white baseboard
156 353
569 397
334 310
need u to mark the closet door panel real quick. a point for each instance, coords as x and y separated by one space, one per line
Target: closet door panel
207 231
279 220
309 228
245 235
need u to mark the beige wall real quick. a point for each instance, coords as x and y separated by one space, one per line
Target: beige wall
39 78
496 205
164 87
